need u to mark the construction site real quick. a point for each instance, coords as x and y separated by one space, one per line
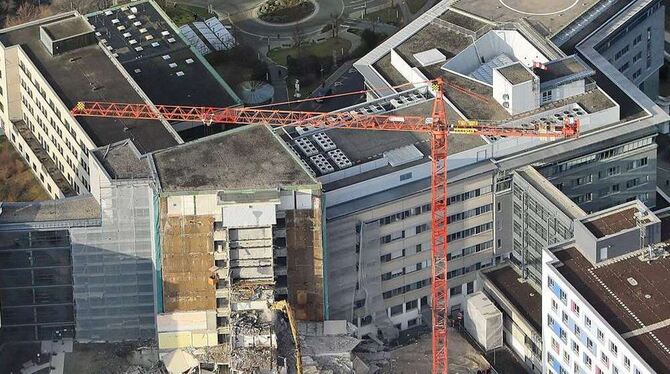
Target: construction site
294 241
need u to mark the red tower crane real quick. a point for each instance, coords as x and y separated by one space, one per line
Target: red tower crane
437 125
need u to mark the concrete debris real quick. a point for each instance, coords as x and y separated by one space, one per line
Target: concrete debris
219 353
317 346
252 359
252 322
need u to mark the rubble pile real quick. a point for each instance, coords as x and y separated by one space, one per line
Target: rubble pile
252 359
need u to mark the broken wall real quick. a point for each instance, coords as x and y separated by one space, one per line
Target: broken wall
187 250
305 261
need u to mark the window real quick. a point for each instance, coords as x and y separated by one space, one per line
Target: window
622 52
575 347
587 321
637 73
583 180
547 96
638 163
575 308
456 291
615 188
424 301
605 360
470 287
637 57
564 316
555 346
563 296
406 176
624 67
421 228
600 335
589 344
412 322
626 362
587 361
395 310
418 248
637 39
411 305
366 320
554 305
614 349
564 336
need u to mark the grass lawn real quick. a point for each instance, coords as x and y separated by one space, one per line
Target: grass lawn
322 49
17 182
391 15
415 5
182 14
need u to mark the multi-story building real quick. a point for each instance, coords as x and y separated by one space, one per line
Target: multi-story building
125 54
519 67
604 307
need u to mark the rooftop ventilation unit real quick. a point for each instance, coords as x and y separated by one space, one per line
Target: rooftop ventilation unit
155 44
166 57
165 33
115 21
171 40
322 164
121 28
189 61
138 71
132 42
149 37
139 49
340 159
127 35
172 65
131 17
137 23
180 73
324 141
306 146
143 30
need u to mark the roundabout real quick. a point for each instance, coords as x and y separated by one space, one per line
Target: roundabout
246 16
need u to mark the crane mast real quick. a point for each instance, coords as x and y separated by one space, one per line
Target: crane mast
437 125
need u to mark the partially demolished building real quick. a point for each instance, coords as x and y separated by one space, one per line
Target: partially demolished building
194 256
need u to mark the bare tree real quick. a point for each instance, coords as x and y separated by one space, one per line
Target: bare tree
298 38
27 12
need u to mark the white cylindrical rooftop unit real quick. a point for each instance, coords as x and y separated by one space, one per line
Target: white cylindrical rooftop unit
484 321
256 92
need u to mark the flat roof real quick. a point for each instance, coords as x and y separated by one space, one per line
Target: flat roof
516 73
565 67
122 161
166 67
625 307
87 73
70 208
433 36
612 223
250 157
524 297
68 28
546 17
